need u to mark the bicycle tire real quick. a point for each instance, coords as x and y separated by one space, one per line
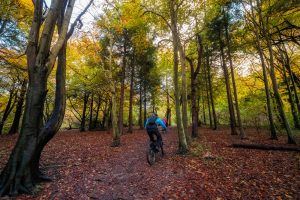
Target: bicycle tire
151 157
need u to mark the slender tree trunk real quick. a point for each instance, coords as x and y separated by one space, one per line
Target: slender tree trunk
203 108
274 81
19 109
183 146
288 67
121 108
183 88
194 102
194 74
97 114
168 104
8 108
211 92
145 105
131 99
228 90
291 100
114 117
141 106
207 96
242 132
83 119
266 82
91 127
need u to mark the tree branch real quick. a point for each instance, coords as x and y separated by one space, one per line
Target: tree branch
78 19
157 14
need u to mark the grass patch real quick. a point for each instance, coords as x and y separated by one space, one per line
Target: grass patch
199 149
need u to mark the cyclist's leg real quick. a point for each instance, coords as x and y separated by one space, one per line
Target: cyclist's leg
159 138
160 142
151 136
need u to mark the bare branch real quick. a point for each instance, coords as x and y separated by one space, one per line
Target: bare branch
157 14
78 20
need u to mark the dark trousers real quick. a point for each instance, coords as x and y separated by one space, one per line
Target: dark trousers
151 134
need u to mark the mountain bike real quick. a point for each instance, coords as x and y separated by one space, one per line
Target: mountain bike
154 148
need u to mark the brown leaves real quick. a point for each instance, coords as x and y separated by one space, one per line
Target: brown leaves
84 166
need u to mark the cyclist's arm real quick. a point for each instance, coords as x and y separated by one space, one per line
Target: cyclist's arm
161 123
146 123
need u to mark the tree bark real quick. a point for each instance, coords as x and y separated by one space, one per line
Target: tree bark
145 103
283 117
114 116
19 109
291 100
131 99
91 127
97 113
194 74
211 92
141 106
8 108
22 170
228 90
124 65
183 146
242 132
83 119
207 96
183 88
168 114
266 82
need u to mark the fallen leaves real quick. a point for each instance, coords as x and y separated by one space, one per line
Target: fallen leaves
85 166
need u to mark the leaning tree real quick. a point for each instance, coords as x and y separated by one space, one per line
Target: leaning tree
21 172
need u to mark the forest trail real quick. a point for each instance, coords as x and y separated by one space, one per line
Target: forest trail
84 166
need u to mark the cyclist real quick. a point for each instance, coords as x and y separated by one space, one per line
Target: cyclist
151 126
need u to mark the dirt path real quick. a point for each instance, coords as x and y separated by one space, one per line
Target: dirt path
84 166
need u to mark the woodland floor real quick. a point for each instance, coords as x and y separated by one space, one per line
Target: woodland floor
84 166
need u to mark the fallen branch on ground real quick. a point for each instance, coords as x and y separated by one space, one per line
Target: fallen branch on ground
265 147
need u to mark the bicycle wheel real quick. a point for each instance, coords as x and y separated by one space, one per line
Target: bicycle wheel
151 156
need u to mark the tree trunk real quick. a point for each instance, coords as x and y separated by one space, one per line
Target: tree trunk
131 99
194 103
97 113
121 108
21 173
168 114
203 108
211 92
19 109
114 116
288 67
83 119
141 106
207 96
242 132
266 82
291 100
183 88
91 113
183 147
283 117
228 90
145 105
194 74
8 108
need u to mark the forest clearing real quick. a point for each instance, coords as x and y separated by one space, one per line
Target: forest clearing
84 166
87 85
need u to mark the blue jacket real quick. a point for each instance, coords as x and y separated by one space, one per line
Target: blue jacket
158 121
